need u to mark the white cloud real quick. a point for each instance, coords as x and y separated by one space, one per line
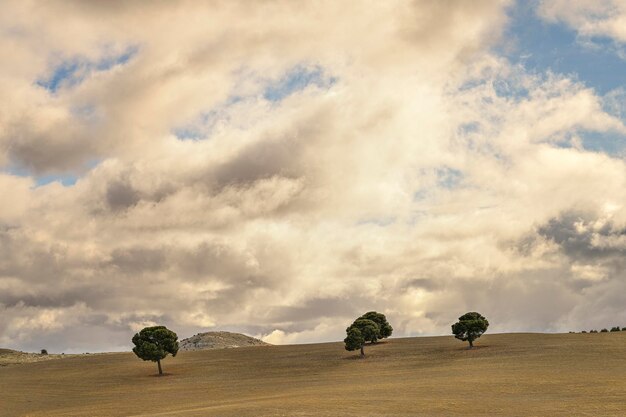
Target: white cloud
602 18
415 184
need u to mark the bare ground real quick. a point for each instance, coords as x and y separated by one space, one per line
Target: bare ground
508 375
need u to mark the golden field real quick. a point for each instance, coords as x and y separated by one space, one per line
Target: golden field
506 375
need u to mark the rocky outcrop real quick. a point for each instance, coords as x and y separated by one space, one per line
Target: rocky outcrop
219 340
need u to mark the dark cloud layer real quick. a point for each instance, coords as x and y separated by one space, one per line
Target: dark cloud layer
585 236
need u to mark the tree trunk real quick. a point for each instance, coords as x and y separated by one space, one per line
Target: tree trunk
160 370
471 344
362 351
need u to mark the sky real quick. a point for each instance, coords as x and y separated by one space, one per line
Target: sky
280 168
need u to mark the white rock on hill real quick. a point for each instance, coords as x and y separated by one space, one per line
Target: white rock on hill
219 340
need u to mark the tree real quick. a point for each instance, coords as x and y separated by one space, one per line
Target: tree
615 329
354 340
359 332
470 327
155 343
381 320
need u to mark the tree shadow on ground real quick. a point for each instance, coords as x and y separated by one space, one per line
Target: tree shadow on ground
476 347
355 357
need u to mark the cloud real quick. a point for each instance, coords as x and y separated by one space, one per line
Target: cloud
588 248
585 238
605 18
396 164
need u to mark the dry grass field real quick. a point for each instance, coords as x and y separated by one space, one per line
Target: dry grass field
507 375
10 357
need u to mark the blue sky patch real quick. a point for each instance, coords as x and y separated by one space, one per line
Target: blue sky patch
111 61
449 177
297 79
541 46
62 73
67 180
73 71
189 132
612 143
203 125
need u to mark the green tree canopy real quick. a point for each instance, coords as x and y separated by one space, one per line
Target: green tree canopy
359 332
155 343
368 328
381 320
470 327
354 340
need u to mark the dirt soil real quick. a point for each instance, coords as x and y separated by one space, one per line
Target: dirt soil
511 375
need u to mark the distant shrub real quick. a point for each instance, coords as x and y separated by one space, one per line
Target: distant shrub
584 331
604 331
44 352
615 329
593 331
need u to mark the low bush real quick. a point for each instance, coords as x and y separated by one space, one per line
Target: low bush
615 329
604 331
44 352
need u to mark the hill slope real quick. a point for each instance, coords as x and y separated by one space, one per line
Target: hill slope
507 375
219 340
14 357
